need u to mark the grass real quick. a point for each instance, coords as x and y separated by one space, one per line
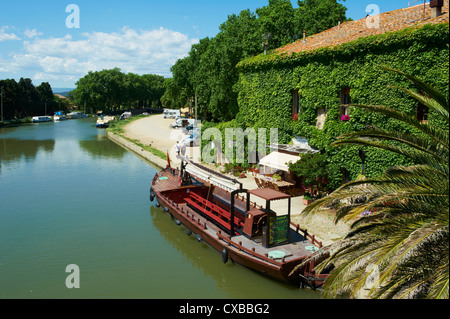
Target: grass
15 122
117 127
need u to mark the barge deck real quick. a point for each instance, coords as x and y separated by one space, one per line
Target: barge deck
220 213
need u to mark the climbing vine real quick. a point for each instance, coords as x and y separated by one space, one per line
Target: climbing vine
266 85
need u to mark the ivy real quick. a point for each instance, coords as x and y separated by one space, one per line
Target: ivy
266 84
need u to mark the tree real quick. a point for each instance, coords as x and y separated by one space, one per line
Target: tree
277 19
315 16
209 71
314 171
401 219
110 90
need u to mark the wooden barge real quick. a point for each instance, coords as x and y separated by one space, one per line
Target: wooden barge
221 213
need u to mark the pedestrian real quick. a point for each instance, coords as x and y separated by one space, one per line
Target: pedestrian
178 148
183 149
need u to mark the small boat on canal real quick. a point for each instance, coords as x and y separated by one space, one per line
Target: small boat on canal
219 212
104 121
41 119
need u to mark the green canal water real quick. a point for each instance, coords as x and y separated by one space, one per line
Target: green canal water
68 195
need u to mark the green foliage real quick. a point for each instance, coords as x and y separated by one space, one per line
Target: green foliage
314 169
209 71
330 11
401 218
266 86
23 99
110 90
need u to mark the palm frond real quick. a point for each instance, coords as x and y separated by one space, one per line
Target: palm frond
424 87
400 219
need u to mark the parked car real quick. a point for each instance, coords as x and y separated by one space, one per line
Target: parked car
182 123
192 140
168 114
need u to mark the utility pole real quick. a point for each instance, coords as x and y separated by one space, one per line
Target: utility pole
195 108
1 94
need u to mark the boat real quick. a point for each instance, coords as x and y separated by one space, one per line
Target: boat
40 119
75 115
219 212
59 116
104 121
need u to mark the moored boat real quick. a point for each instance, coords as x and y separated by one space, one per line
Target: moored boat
40 119
104 121
222 214
59 116
75 115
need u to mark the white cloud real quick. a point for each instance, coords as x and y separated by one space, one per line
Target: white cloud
66 60
7 36
32 33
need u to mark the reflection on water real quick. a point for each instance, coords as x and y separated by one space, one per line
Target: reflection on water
102 147
234 280
13 149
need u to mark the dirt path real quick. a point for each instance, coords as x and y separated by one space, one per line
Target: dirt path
155 131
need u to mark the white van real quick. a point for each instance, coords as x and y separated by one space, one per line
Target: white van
182 123
171 114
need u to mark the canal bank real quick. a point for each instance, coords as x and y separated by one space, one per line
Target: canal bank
155 131
139 151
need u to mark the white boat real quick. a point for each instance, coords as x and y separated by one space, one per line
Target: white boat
40 119
59 116
75 115
103 121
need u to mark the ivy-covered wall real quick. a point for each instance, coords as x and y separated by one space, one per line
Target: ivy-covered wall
266 86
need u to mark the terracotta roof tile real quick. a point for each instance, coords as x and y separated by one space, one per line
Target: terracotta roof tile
352 30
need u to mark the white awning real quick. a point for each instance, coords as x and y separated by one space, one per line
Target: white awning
213 179
279 160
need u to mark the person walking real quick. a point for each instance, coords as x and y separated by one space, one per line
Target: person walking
178 148
183 149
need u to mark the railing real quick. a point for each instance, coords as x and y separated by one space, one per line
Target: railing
252 251
306 235
215 212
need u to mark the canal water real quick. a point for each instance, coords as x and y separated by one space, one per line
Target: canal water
70 196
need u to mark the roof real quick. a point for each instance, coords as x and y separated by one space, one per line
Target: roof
388 22
279 160
294 148
269 194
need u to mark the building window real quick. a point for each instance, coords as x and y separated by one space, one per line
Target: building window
346 177
295 103
422 113
344 98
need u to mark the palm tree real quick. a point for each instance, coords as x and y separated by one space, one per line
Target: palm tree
400 220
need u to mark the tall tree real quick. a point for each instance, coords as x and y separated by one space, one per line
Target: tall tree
277 20
315 16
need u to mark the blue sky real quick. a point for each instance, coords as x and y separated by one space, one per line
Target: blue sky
139 36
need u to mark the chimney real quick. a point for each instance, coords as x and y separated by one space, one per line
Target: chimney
436 8
304 36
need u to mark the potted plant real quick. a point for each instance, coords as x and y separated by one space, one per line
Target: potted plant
307 199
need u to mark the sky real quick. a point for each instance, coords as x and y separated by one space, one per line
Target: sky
60 41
